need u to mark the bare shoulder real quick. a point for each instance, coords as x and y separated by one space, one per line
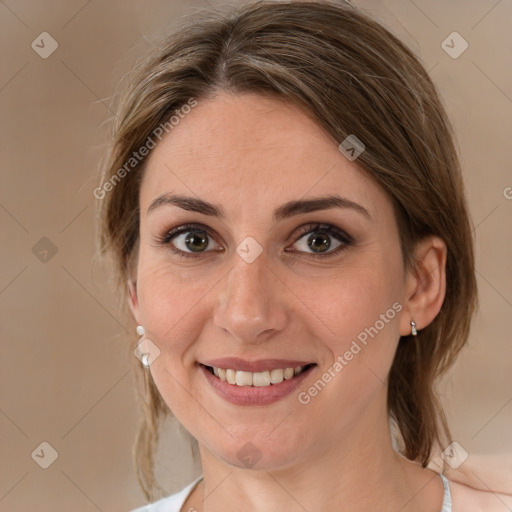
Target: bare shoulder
469 499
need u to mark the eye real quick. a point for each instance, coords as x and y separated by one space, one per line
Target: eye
189 240
320 238
193 240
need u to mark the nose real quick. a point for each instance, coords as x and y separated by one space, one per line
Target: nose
251 306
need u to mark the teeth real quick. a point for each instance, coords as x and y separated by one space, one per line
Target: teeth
243 378
261 379
276 376
258 379
288 373
231 376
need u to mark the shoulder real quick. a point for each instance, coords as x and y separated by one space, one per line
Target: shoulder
171 503
469 499
483 482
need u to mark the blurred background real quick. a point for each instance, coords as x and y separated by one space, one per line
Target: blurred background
67 402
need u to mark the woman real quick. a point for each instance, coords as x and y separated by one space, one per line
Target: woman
284 204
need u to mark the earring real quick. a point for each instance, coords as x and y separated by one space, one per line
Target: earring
414 332
144 357
145 362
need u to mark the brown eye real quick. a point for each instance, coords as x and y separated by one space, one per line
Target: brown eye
320 240
193 240
196 241
188 240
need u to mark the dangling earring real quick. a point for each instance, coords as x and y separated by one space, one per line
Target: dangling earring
145 362
145 356
414 332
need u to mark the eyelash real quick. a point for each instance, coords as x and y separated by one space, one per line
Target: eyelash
328 229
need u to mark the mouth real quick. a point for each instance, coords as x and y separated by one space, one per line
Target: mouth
245 383
264 378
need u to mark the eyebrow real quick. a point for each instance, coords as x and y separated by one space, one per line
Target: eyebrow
287 210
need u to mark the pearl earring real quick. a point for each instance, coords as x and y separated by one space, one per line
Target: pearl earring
144 357
145 362
414 332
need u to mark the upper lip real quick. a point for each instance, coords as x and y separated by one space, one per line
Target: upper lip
261 365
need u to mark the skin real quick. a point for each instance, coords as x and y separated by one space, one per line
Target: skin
249 155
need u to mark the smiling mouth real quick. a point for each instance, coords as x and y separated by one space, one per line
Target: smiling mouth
257 379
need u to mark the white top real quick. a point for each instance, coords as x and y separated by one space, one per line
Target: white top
174 502
171 503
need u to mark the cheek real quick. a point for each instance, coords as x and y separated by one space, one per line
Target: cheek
168 311
363 307
169 306
356 299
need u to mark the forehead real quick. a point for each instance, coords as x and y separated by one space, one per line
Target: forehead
248 151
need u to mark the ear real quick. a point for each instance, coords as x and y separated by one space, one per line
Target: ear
133 300
425 285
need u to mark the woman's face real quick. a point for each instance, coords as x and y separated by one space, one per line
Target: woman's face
274 287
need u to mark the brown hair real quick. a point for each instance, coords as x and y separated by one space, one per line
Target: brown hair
353 77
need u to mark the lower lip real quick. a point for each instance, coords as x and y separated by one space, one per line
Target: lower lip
254 395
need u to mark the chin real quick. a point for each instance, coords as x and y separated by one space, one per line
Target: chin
260 451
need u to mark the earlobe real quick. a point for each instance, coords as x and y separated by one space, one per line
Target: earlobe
425 285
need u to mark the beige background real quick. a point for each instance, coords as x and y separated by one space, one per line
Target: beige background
65 374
